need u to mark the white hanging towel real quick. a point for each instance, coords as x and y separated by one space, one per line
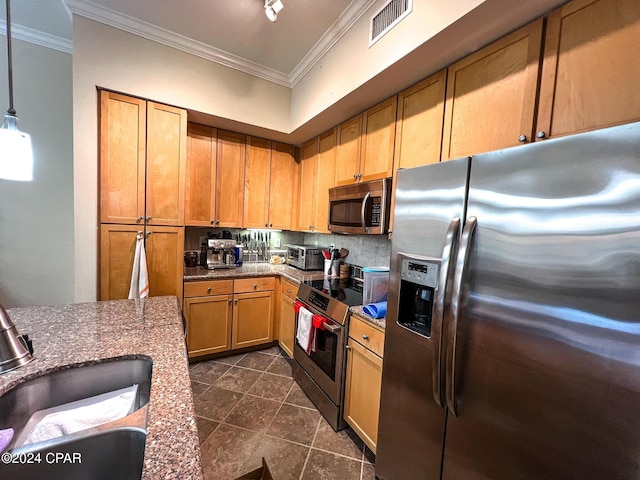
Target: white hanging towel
304 335
139 276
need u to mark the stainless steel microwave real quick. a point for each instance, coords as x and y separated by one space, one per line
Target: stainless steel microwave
361 208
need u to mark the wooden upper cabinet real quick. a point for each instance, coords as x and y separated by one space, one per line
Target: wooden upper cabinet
348 151
325 179
419 126
230 179
491 95
308 181
166 164
378 135
123 123
199 204
256 183
284 186
165 252
591 67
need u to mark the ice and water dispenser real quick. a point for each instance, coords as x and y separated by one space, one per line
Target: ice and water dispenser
418 281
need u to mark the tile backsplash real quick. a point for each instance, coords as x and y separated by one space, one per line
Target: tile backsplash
364 250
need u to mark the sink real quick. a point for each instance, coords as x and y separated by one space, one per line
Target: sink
111 450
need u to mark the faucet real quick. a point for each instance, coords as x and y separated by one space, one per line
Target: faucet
15 350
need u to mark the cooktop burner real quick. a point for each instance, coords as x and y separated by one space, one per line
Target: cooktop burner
347 291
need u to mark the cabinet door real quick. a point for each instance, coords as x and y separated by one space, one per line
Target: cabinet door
117 249
325 179
362 392
256 183
591 67
230 179
308 172
348 151
284 186
286 324
491 95
252 319
419 127
378 135
199 205
123 123
166 164
165 252
208 324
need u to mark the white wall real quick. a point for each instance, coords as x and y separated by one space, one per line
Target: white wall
36 218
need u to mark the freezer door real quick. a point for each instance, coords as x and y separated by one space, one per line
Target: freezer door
411 426
547 360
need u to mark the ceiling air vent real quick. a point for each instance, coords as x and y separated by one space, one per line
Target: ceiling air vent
387 17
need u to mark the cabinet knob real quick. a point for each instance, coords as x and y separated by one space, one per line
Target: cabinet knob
266 225
235 301
522 138
213 222
288 290
229 300
140 218
348 347
359 175
271 225
148 218
255 286
209 290
365 337
217 222
355 175
541 134
148 234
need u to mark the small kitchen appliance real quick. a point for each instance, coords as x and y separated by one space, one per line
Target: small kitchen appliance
305 257
220 253
361 208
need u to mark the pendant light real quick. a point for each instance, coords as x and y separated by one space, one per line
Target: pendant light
16 155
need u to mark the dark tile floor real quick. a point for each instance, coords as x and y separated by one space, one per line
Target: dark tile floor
248 407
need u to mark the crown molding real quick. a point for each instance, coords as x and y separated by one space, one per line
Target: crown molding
94 11
341 26
37 37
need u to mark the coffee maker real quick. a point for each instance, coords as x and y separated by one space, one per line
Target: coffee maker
220 253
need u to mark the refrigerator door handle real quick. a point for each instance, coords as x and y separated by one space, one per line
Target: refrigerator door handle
459 273
450 244
363 211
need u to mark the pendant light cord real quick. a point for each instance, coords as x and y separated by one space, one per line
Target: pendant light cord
11 110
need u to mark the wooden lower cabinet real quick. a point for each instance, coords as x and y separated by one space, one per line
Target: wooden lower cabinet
287 316
208 324
364 381
252 319
164 250
220 320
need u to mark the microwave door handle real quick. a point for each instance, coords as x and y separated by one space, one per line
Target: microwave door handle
458 276
448 256
363 211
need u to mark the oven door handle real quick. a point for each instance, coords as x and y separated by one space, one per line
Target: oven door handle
330 327
363 210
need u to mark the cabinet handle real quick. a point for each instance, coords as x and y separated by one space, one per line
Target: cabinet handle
365 337
522 138
148 218
140 218
541 134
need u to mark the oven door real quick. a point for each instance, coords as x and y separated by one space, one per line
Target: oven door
325 365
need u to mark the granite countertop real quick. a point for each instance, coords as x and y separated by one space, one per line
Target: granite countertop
88 333
380 322
252 270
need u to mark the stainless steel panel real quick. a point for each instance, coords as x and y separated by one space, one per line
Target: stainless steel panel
411 426
548 341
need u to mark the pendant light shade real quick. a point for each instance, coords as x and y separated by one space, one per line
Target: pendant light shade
16 155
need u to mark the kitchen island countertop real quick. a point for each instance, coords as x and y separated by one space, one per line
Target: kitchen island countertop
88 333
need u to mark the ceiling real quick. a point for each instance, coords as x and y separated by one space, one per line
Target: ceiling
232 32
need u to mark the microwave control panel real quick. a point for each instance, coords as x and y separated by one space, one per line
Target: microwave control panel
375 212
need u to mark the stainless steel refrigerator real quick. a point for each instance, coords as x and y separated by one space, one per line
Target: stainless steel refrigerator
512 344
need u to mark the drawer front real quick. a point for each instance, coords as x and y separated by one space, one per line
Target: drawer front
256 284
367 335
289 289
208 288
